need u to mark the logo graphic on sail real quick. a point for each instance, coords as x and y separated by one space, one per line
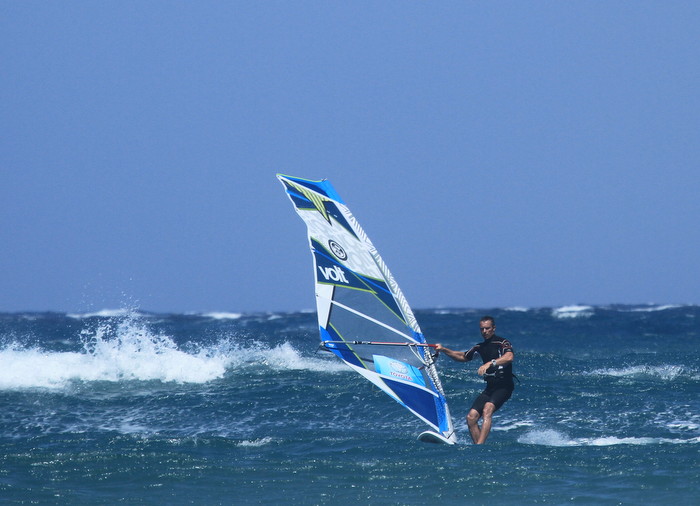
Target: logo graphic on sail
398 370
334 274
337 250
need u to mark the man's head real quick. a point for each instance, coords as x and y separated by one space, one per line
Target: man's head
488 327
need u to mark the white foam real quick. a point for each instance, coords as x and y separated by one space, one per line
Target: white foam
223 316
285 356
573 312
256 442
684 426
551 437
649 309
664 372
613 441
135 354
106 313
546 437
125 349
507 426
24 368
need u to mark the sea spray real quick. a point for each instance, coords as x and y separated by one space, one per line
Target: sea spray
126 348
123 346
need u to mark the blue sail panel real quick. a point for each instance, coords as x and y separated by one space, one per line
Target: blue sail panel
420 401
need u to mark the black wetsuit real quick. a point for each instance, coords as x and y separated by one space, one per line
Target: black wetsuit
499 380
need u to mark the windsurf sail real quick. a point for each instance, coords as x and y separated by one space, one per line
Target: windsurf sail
363 317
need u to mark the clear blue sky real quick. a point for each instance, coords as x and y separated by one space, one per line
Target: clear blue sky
497 153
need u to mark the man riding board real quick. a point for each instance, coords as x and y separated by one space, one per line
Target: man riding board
497 371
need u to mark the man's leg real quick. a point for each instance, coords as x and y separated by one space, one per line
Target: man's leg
489 409
473 423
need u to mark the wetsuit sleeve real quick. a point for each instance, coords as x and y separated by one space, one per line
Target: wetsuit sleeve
506 347
470 354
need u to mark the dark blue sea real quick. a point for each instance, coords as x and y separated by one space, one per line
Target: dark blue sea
137 408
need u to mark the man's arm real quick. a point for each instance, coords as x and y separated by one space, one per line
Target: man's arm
505 359
459 356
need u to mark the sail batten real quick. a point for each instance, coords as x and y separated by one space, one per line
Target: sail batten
363 317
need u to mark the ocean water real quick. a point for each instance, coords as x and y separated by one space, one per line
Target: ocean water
138 408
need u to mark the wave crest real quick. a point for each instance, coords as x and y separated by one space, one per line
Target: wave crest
124 348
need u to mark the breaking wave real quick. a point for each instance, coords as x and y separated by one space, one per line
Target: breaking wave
124 348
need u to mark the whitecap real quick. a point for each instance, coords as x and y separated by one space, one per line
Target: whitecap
551 437
127 351
653 308
546 437
256 442
285 356
684 426
612 441
223 316
573 312
664 372
507 426
107 313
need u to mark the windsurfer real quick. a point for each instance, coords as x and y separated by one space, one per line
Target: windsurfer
497 370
